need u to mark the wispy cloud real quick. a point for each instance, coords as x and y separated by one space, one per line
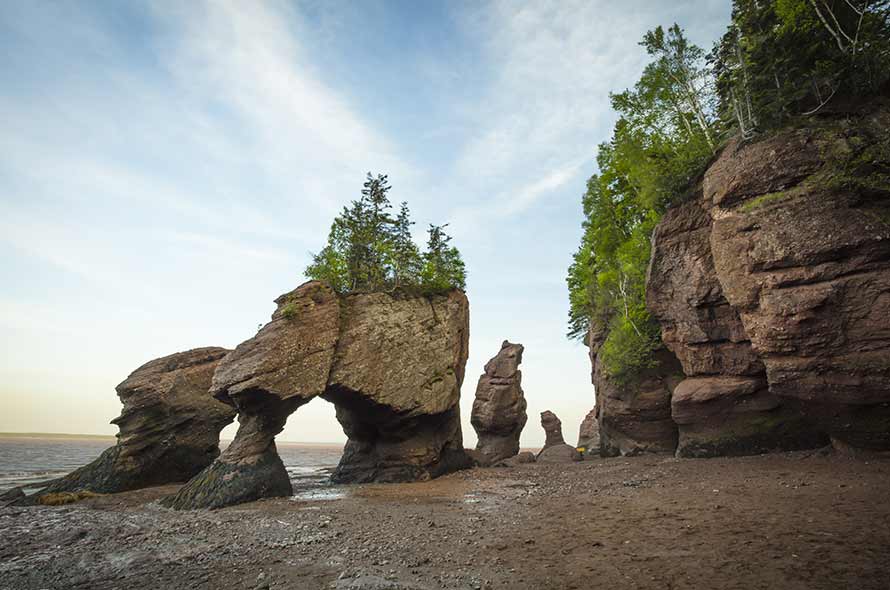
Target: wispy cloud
548 107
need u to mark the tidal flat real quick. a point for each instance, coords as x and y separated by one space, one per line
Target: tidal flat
800 520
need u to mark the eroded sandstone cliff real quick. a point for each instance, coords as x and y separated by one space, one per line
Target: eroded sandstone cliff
772 288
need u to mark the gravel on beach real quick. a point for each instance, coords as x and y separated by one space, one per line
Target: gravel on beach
792 520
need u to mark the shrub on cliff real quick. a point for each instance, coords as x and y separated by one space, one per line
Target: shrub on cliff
785 58
665 134
370 250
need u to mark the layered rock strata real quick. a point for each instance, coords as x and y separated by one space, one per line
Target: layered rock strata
169 427
635 418
391 363
772 288
498 415
724 406
801 247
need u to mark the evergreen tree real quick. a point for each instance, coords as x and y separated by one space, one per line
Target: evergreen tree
785 58
405 256
369 250
779 59
443 267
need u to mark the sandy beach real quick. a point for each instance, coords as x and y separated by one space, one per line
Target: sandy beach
794 520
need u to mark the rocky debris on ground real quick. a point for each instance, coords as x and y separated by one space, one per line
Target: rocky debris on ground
518 459
169 427
368 582
498 415
599 521
392 364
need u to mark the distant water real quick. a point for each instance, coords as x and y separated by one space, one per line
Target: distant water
27 461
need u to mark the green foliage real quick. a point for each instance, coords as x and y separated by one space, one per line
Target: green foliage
370 250
443 268
784 58
665 135
779 59
289 311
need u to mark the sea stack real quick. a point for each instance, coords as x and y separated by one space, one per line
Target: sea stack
169 427
555 448
499 408
392 364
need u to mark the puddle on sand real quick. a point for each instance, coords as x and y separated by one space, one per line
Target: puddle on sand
320 494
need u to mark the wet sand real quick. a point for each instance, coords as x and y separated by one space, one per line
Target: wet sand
792 521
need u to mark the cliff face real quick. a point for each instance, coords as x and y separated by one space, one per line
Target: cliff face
635 419
392 365
772 288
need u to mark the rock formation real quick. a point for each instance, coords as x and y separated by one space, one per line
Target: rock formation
499 408
635 418
391 363
589 434
772 288
169 427
724 406
814 293
555 448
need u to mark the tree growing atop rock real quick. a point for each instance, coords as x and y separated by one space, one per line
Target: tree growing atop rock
370 250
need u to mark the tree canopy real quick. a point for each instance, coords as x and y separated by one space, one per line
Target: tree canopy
369 249
779 60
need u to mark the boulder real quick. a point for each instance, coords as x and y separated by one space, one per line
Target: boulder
725 415
555 448
561 453
518 459
499 408
391 363
589 434
169 427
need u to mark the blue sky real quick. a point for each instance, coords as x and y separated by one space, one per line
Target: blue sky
166 168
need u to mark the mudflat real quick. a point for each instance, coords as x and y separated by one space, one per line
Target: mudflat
794 520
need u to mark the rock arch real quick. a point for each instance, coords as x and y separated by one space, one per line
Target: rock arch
392 364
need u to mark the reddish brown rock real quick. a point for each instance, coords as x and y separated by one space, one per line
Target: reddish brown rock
391 363
552 426
806 261
724 407
635 418
555 448
589 433
169 427
498 415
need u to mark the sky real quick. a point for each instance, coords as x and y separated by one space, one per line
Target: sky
166 169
